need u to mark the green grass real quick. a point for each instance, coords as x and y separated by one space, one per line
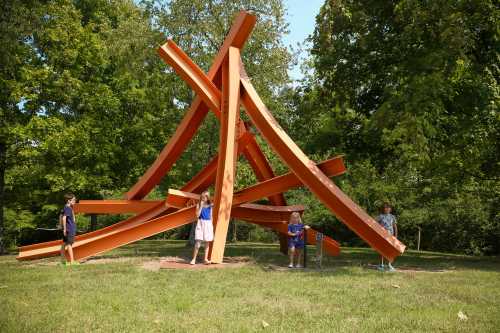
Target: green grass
346 296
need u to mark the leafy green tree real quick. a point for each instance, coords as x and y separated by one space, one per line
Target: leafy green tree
87 104
18 19
408 90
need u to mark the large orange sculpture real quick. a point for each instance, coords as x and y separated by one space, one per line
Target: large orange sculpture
223 90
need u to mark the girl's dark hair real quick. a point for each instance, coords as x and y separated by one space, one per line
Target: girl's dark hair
384 206
68 196
208 197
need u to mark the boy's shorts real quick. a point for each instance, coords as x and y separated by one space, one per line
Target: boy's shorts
297 244
69 239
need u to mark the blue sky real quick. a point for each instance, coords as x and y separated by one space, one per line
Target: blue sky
301 19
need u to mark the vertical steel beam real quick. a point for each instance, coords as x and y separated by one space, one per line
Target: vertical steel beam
227 152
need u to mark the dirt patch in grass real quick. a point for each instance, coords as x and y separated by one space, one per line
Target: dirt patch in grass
183 263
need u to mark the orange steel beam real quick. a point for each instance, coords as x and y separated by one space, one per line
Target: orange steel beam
312 177
192 74
51 248
116 238
247 211
171 152
330 246
114 206
265 213
155 211
237 36
279 184
331 167
263 171
211 95
135 233
224 184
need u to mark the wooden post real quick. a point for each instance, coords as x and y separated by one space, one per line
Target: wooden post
418 238
305 247
234 237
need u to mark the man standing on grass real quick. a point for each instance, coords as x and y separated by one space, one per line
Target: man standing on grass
68 227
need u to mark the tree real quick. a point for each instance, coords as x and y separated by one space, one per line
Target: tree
409 90
87 104
17 21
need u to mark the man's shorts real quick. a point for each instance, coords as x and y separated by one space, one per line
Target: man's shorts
69 239
298 244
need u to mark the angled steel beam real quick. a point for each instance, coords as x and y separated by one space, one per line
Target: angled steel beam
278 184
237 36
48 249
332 167
192 74
312 177
247 211
114 206
265 213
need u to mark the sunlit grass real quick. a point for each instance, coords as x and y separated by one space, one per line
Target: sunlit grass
345 296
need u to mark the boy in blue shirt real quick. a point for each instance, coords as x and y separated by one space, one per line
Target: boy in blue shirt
296 240
68 227
388 221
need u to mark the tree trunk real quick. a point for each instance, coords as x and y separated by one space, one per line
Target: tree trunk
190 241
93 222
3 166
234 238
283 243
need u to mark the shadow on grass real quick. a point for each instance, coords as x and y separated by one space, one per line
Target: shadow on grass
268 257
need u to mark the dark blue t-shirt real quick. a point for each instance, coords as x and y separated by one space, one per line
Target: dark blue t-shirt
206 213
296 228
70 222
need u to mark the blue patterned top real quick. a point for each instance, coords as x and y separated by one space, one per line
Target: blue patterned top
387 221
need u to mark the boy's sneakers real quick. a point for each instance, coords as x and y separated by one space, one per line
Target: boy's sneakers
381 268
298 266
391 269
290 266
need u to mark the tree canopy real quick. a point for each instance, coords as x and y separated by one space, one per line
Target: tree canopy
87 104
408 91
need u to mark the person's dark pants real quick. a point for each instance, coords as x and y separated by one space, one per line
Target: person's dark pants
69 239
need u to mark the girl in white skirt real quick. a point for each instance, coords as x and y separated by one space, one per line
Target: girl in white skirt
204 231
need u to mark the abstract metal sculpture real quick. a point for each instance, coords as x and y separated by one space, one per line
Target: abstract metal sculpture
223 90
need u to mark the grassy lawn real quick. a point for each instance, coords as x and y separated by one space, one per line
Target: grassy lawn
347 295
